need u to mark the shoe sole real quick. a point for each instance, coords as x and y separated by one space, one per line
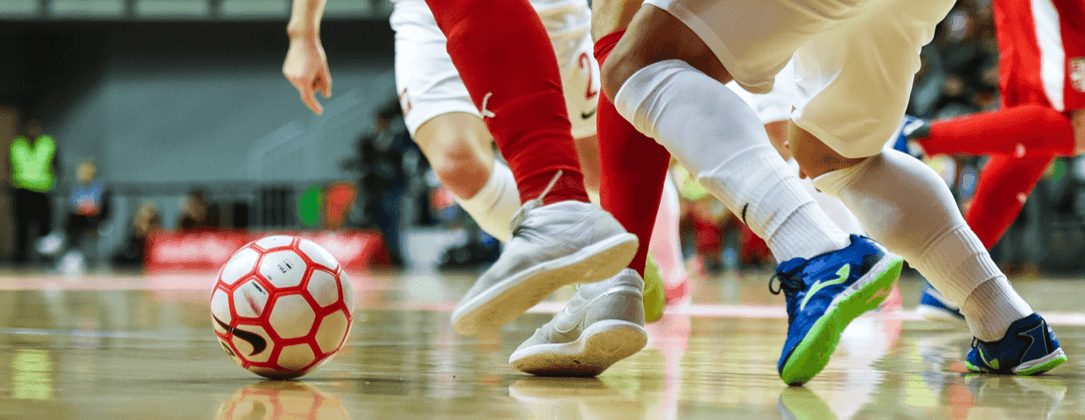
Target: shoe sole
655 298
600 346
812 353
1034 367
936 314
509 299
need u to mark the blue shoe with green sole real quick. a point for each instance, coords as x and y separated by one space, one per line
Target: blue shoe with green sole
1030 347
823 295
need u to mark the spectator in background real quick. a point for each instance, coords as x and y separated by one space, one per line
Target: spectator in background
197 212
33 169
384 182
145 223
89 204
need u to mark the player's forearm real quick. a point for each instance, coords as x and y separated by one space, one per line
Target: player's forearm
305 18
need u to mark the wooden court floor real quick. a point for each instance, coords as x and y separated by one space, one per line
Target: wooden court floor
119 346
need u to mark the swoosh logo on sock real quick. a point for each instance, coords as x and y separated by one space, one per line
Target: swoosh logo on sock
586 115
255 340
842 276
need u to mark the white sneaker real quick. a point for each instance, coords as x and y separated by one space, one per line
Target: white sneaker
602 324
552 246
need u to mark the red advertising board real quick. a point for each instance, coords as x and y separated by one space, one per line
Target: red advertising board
209 250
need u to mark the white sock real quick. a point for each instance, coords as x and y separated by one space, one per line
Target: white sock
716 135
493 206
903 204
833 207
992 307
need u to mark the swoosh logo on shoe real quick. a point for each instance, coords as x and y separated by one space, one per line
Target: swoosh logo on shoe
586 115
1035 334
992 363
842 276
576 315
255 340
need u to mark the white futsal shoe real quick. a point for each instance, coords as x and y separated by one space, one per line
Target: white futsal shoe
602 324
553 245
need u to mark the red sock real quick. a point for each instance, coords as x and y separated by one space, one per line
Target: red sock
1003 186
633 167
508 64
1027 130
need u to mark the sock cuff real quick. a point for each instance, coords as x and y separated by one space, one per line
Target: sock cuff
500 179
992 307
832 183
632 98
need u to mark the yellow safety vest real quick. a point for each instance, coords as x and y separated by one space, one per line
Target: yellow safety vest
32 167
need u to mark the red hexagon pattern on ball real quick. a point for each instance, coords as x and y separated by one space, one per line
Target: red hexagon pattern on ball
258 343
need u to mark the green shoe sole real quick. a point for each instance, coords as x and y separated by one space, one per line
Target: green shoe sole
655 296
812 353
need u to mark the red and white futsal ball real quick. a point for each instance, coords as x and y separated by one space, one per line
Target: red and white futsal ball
282 306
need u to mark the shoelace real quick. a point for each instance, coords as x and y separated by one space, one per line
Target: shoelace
788 284
521 214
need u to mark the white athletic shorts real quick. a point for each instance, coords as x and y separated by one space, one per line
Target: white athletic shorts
429 85
776 104
854 59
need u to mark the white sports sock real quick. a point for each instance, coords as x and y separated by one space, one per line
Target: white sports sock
992 307
493 206
718 137
833 207
903 204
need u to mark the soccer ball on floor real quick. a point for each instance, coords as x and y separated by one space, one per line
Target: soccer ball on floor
282 306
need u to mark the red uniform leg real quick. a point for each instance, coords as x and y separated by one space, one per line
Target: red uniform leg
508 65
633 167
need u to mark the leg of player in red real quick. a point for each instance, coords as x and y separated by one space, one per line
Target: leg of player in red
1042 118
508 65
632 173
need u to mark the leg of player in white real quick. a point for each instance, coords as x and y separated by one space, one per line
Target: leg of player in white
665 80
774 111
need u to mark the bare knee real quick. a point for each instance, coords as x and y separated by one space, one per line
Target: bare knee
655 35
587 151
815 158
459 150
618 67
777 131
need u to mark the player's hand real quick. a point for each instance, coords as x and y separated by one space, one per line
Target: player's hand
306 67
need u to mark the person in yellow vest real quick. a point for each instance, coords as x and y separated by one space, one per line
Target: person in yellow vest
33 169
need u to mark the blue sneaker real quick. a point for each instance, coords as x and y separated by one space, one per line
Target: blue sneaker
1030 347
823 295
934 306
911 128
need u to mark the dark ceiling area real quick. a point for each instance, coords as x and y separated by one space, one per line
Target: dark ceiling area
46 65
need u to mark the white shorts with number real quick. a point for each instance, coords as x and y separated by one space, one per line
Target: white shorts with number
429 85
854 59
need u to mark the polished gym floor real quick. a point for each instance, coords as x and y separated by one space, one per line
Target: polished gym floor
132 346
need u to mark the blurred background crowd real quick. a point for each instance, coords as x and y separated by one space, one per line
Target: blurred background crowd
122 135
